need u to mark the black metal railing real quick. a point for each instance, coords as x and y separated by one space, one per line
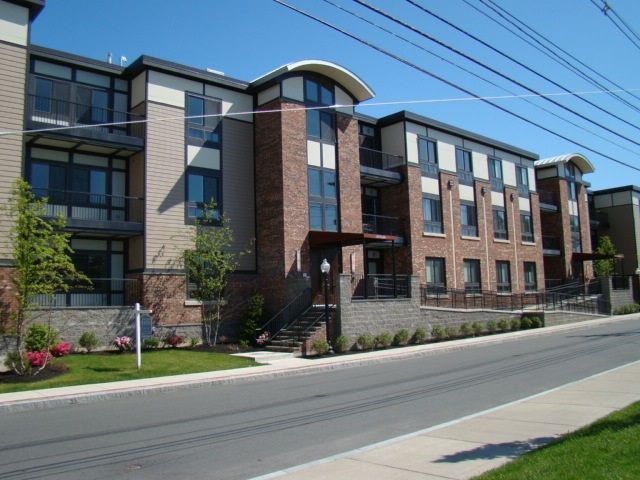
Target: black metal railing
497 185
621 282
429 169
547 197
472 288
287 314
99 292
91 206
56 112
380 286
465 177
503 287
431 226
380 160
527 237
382 225
469 230
523 190
551 243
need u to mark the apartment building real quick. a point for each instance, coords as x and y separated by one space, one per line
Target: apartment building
130 156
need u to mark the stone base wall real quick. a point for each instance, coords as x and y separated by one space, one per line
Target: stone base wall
445 317
616 298
562 318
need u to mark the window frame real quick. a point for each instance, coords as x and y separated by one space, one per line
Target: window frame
503 276
468 229
472 287
218 213
497 181
527 285
435 206
526 235
500 234
192 124
464 159
438 267
429 167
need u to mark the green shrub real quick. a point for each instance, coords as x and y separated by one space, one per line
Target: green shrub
193 342
503 325
438 332
365 342
401 337
151 343
626 309
419 336
320 346
252 319
536 322
341 344
451 332
477 328
525 323
465 330
515 324
492 327
88 341
383 340
39 337
243 344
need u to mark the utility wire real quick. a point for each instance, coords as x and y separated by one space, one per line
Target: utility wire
480 77
606 8
444 80
420 32
544 49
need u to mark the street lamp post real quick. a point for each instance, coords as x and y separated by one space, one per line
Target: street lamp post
325 268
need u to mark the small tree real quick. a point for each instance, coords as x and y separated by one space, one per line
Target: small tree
42 262
208 265
605 267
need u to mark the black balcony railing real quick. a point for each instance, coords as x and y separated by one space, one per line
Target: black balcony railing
87 206
465 177
551 243
382 225
54 112
429 169
381 286
380 160
523 190
100 292
497 185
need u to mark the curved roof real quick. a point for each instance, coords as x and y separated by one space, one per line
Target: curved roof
344 77
581 161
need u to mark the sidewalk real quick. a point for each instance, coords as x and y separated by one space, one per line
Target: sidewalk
53 397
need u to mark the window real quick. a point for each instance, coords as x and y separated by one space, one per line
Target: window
464 166
530 277
432 214
48 180
322 199
495 174
576 239
203 187
203 130
503 277
320 123
471 276
367 136
93 105
428 157
91 180
317 93
435 275
570 171
468 219
526 224
500 223
573 190
522 180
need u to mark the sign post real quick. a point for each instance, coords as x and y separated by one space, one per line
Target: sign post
139 333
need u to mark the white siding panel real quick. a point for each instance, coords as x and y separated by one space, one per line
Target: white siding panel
328 156
430 185
546 173
313 153
560 170
96 161
524 204
46 154
416 129
232 102
532 179
170 90
343 98
509 173
393 140
445 137
293 88
412 132
446 156
478 147
573 207
14 23
497 199
466 193
636 199
480 165
621 198
203 157
602 201
138 92
269 94
506 156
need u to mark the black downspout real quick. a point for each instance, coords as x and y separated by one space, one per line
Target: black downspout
393 261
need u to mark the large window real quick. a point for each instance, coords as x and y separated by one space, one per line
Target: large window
495 174
203 189
526 224
435 275
428 157
323 210
320 122
472 276
432 214
468 219
500 223
464 166
503 277
48 180
522 179
530 277
576 238
203 129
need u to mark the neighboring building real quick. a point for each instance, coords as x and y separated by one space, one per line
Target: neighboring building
617 214
564 213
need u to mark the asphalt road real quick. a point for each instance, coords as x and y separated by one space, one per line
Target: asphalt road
255 427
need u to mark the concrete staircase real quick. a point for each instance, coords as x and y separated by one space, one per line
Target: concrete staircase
301 329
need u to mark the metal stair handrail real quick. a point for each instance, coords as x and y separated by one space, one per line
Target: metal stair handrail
282 319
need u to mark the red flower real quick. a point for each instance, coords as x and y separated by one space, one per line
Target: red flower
61 349
38 359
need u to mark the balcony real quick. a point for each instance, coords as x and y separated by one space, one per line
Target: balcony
77 121
100 213
380 286
101 292
548 200
381 225
551 245
377 168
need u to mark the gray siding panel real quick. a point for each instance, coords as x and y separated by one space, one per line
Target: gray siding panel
237 187
13 61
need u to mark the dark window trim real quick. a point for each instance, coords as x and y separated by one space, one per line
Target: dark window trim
432 226
206 172
427 167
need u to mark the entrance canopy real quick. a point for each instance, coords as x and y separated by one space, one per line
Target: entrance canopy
586 257
344 239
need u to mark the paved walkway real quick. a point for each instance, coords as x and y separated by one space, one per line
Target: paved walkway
457 450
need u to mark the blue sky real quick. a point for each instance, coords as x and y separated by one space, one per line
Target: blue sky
247 38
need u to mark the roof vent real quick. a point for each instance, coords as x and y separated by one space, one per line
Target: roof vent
213 70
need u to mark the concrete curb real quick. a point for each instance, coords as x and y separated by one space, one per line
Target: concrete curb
81 394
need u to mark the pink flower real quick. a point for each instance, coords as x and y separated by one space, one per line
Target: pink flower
38 359
61 349
123 343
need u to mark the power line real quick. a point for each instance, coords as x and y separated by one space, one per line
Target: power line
606 8
517 62
485 79
451 84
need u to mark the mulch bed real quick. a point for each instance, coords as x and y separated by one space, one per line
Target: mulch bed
49 372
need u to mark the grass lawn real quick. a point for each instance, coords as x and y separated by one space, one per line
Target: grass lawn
111 367
608 449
